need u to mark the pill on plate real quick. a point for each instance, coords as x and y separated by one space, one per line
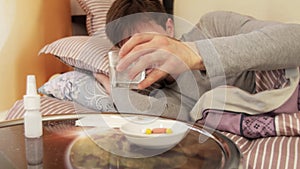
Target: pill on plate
158 131
169 131
148 131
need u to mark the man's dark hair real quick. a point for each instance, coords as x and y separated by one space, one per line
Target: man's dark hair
141 11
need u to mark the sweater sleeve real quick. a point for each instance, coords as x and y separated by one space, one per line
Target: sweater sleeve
231 43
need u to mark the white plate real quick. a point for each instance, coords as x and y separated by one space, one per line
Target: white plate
135 133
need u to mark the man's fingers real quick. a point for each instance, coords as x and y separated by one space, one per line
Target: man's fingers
151 78
131 58
135 40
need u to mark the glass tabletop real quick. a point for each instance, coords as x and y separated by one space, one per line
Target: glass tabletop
67 145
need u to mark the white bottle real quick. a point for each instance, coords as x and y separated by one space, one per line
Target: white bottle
32 118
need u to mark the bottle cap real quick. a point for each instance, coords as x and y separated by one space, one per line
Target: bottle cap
31 99
31 85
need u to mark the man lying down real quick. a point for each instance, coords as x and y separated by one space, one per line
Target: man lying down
228 68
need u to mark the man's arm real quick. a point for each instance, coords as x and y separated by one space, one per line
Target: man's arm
232 43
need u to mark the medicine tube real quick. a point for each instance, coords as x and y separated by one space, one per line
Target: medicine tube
32 118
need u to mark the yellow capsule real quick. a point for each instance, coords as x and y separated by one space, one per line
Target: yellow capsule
148 131
169 131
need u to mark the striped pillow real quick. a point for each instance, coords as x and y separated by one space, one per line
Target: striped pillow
95 13
83 52
49 106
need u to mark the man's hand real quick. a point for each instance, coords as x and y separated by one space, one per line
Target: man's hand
161 53
104 80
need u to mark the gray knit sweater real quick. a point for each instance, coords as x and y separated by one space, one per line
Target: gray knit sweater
243 43
232 46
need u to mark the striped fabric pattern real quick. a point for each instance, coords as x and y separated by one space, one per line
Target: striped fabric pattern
281 152
268 153
273 79
288 124
95 13
83 52
49 106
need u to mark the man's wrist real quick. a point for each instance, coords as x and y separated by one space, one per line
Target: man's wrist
196 60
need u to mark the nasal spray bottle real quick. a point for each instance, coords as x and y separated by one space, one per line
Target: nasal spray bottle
32 118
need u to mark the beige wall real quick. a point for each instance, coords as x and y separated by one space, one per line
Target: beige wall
286 11
26 26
